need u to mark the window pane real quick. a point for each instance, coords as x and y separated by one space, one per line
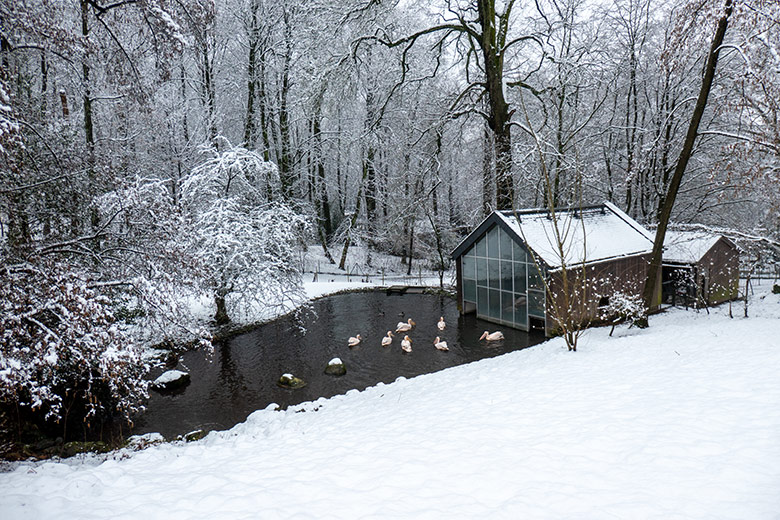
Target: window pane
494 276
507 306
536 304
494 307
506 276
482 301
506 245
481 271
470 290
534 278
492 238
521 311
520 255
469 267
519 278
481 247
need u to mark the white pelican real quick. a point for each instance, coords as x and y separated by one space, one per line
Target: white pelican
404 327
406 344
441 345
387 339
493 336
354 341
441 324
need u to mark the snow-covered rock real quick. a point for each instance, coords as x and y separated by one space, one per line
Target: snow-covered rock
290 381
335 367
171 380
140 442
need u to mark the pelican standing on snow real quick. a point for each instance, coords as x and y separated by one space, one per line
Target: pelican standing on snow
492 336
404 327
441 345
387 339
354 341
406 344
441 324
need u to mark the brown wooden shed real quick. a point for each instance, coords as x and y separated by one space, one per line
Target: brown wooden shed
699 268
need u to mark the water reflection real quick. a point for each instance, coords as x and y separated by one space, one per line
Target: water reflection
244 370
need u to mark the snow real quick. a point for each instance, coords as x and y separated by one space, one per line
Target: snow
679 421
335 361
687 246
592 234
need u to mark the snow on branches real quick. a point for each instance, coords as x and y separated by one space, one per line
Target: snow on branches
242 241
623 307
61 350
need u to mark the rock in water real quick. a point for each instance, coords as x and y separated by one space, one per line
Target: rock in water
171 380
290 381
335 367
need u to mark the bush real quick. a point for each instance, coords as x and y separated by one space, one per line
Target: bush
63 359
623 308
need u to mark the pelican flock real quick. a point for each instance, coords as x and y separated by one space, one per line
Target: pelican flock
354 341
441 345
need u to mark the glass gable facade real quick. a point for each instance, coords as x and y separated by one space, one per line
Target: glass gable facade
502 281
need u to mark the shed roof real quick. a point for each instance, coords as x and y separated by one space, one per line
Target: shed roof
688 247
591 234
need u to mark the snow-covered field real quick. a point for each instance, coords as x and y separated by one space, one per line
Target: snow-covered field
681 420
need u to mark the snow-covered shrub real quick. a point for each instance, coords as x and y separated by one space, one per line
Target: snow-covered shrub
62 358
623 308
242 241
149 273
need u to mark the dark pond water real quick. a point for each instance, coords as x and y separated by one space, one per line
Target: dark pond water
243 371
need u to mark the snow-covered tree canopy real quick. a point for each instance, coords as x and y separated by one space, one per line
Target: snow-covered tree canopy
242 241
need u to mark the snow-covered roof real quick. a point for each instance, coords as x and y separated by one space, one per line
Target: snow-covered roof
688 246
591 234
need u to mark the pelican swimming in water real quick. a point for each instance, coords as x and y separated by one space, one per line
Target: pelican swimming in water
492 336
406 344
404 327
354 341
387 339
441 345
441 324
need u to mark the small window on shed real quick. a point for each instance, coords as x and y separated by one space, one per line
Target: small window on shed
603 301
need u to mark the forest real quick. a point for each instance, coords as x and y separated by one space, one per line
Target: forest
151 150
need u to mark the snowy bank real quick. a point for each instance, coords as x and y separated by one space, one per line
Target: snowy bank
680 420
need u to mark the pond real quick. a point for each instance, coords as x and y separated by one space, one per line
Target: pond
242 374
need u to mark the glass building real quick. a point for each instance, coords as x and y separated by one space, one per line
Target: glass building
509 264
501 281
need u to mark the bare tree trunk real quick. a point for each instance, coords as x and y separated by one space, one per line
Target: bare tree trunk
87 97
492 44
685 154
209 97
285 160
250 127
370 156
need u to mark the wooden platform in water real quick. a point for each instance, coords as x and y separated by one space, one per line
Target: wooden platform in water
406 289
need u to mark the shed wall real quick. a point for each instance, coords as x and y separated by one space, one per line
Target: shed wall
602 279
720 269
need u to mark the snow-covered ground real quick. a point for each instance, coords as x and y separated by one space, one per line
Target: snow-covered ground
681 420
